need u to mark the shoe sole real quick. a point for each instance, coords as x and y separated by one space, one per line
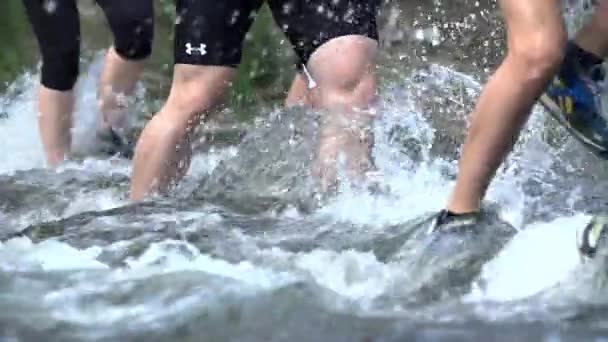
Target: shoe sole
590 236
580 241
555 112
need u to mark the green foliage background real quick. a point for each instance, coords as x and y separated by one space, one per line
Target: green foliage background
263 77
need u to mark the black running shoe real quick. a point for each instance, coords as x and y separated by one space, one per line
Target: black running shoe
446 221
110 143
445 253
591 237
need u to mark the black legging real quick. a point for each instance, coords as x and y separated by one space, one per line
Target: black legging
56 25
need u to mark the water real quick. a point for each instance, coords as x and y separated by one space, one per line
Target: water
246 250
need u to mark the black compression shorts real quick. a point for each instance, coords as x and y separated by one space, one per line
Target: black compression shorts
56 25
211 32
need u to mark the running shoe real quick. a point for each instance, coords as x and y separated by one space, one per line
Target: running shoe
592 237
111 143
574 99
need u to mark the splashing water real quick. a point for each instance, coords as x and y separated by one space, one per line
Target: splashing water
244 251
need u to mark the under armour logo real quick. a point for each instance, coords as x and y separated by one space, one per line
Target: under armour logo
202 49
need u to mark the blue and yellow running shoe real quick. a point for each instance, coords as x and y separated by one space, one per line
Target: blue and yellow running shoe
574 100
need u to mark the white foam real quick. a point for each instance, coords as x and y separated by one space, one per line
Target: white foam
172 256
203 164
537 259
49 255
104 166
354 275
413 193
165 257
20 141
94 201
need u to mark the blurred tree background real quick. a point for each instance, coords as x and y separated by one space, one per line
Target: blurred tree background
466 35
263 77
19 50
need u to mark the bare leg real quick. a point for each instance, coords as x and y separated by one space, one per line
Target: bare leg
593 37
346 89
117 85
57 31
163 152
536 40
55 121
298 93
58 35
56 107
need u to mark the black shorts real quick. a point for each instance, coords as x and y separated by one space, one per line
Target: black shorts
56 25
211 32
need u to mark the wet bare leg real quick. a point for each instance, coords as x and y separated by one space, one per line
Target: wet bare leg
118 80
164 149
536 41
298 92
55 121
117 84
345 91
593 36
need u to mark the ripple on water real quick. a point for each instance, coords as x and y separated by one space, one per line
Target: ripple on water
235 257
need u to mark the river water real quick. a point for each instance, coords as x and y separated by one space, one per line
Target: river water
245 250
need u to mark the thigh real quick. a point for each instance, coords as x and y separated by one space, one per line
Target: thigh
532 23
309 24
56 26
211 32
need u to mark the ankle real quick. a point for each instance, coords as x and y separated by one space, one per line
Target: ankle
458 209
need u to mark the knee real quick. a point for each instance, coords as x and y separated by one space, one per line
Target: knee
349 83
194 93
162 133
540 55
60 68
197 90
351 88
345 80
161 129
191 100
177 121
350 80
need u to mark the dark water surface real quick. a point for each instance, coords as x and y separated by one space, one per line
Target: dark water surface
246 250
